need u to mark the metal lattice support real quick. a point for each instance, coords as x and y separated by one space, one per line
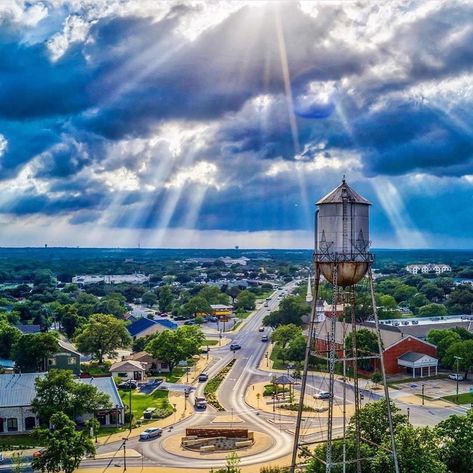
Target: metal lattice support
383 373
310 341
331 364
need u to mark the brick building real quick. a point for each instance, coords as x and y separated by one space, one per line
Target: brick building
402 353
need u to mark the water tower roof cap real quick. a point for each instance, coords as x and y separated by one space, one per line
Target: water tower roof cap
341 192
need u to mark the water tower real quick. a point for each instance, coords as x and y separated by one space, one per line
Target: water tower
342 257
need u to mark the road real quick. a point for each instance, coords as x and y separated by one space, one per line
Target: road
231 395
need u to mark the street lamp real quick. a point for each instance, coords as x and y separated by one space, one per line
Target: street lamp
208 352
124 453
267 359
423 398
408 414
457 359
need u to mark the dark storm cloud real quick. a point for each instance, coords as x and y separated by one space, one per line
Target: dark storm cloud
131 76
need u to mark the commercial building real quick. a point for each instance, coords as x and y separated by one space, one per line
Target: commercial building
17 392
402 353
144 326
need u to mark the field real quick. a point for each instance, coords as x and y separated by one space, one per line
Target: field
140 402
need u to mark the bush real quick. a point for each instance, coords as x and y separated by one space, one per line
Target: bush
269 390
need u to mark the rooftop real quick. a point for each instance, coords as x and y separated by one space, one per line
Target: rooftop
343 190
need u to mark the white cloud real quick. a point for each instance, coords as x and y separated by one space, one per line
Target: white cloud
203 173
121 179
3 144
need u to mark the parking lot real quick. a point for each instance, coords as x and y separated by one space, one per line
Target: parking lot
435 388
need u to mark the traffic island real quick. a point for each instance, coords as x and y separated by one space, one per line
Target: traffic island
257 444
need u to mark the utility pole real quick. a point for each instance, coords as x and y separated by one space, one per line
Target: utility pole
124 453
131 412
457 359
423 398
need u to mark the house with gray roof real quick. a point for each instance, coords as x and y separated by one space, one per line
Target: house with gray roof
17 392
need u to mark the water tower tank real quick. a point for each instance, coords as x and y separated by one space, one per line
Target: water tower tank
342 235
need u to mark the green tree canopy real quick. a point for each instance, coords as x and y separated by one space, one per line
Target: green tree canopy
149 298
464 351
433 310
59 392
166 298
31 350
213 295
9 335
195 305
456 442
290 311
65 446
102 335
245 300
173 346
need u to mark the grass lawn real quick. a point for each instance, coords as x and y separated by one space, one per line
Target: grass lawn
174 376
140 402
18 442
465 398
210 342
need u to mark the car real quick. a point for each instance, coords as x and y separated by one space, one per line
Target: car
151 433
126 385
415 322
235 346
322 395
200 403
261 329
456 377
148 413
265 338
203 377
406 322
190 322
266 304
179 317
268 298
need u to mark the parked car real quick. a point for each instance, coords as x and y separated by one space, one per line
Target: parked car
261 329
203 377
179 317
456 377
190 322
322 395
235 346
265 338
126 385
148 413
151 433
200 403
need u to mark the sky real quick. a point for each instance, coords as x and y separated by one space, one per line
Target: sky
220 123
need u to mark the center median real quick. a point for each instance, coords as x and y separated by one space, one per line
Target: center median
210 390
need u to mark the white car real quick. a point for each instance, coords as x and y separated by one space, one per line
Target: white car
456 377
151 433
322 395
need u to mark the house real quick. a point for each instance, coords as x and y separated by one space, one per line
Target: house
144 327
401 352
129 369
28 328
67 358
17 392
153 365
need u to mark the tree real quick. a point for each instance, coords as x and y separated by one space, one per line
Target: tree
285 333
432 310
166 298
376 377
432 292
213 295
417 451
464 351
59 392
404 292
9 335
149 298
388 301
31 350
65 447
196 305
291 310
231 466
456 442
296 349
366 344
102 335
233 292
246 300
373 421
173 346
443 339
